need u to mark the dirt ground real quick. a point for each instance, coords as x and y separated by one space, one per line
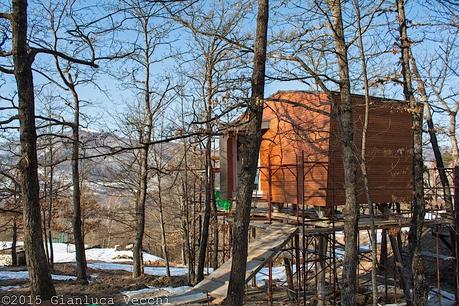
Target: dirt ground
108 285
105 289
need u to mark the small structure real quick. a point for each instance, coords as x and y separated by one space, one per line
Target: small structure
300 156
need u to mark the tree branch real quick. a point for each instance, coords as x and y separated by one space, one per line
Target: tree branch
65 56
9 120
4 15
5 53
123 149
190 26
58 122
3 210
5 70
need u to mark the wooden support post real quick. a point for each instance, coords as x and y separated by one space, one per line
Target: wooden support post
316 262
333 253
300 187
437 265
383 256
322 251
383 260
254 236
399 266
289 275
304 265
297 264
270 283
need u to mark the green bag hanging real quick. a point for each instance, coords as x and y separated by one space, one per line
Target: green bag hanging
223 203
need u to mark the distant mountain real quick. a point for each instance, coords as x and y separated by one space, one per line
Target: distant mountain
108 161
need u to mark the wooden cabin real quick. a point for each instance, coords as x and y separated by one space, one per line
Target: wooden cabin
300 153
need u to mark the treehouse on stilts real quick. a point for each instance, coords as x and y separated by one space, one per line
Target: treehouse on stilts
299 191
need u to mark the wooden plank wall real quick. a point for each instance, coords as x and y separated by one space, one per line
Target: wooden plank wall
295 127
389 153
300 121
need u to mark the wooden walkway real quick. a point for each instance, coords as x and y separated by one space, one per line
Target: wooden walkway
267 245
317 227
260 252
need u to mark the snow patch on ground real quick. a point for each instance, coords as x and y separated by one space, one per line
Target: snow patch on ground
66 253
446 298
434 215
4 275
156 271
263 275
152 290
7 244
9 288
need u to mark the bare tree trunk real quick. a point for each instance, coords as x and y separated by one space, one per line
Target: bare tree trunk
163 228
186 207
137 269
419 292
250 154
452 137
363 160
209 166
186 221
80 254
433 139
14 256
289 276
188 240
207 212
45 230
145 140
208 204
77 225
215 237
383 256
351 208
50 207
40 279
214 260
436 148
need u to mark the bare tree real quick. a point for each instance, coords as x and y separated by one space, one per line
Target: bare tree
249 160
150 35
217 75
363 160
421 90
70 78
419 293
440 72
40 280
23 58
344 115
48 142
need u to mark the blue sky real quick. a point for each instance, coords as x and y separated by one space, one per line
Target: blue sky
103 108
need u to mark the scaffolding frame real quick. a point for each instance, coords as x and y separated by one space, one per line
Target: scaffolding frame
311 258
